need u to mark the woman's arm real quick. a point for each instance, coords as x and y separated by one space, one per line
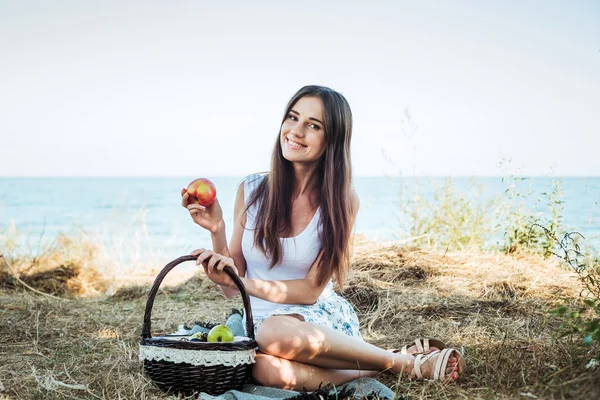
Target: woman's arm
296 291
211 219
234 251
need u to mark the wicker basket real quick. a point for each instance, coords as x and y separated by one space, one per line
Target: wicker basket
177 365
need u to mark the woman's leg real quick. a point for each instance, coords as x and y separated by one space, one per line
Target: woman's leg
292 375
290 338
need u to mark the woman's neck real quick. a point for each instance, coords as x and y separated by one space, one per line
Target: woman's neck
306 181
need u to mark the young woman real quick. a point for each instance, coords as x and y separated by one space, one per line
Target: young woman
290 237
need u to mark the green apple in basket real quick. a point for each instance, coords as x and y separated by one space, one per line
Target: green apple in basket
220 333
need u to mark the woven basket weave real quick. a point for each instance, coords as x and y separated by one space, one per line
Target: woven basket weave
228 366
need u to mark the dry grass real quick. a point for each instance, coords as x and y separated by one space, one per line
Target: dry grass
492 306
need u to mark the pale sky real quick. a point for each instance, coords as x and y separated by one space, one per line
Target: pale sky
156 88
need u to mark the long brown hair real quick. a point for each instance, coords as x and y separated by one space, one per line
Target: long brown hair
274 193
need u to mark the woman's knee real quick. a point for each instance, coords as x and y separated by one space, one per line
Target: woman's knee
274 372
278 333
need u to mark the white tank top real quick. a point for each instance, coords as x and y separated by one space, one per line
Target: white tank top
299 252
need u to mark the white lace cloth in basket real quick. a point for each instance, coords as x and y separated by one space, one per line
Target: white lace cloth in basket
200 357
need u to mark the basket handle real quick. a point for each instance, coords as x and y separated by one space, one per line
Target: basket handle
146 328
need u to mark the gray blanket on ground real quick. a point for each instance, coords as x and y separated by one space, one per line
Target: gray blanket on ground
357 389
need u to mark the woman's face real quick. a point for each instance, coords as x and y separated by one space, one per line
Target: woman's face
303 131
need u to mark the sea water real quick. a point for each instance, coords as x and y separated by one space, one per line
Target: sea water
145 213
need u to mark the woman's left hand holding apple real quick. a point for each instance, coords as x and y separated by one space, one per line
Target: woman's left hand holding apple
213 264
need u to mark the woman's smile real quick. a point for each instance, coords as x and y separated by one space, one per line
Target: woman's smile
293 145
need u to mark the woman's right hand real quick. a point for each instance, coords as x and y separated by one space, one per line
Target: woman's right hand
210 218
214 264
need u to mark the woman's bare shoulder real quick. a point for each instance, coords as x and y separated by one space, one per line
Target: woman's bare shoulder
255 178
251 179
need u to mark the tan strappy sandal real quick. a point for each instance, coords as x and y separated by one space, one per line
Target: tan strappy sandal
440 358
423 346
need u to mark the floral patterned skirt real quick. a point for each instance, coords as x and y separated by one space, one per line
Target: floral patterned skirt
330 310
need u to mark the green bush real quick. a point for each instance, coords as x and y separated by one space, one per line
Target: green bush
456 219
585 319
451 219
516 220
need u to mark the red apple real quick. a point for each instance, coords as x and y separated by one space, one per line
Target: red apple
202 191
